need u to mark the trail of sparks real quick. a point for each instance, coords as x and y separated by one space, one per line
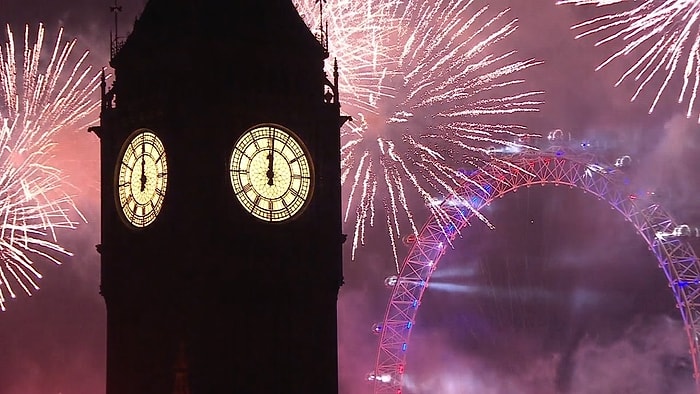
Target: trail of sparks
431 73
37 102
663 37
358 34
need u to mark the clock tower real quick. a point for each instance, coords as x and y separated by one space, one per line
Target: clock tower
221 206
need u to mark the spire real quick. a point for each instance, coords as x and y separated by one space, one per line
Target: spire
115 41
323 35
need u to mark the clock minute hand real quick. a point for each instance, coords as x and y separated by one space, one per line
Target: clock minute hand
270 159
143 168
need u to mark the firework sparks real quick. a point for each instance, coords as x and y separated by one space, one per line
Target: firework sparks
359 34
663 37
37 102
422 78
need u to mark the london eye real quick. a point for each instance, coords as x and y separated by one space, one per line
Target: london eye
560 164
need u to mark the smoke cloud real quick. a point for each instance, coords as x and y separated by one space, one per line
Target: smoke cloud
650 357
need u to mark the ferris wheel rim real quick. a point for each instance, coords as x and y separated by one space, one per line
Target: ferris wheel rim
580 170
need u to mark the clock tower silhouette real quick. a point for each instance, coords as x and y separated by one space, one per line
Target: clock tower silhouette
221 206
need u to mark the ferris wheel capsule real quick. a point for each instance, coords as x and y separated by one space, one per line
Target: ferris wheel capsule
391 281
383 378
409 239
623 161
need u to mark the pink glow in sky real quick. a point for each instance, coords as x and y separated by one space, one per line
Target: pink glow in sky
54 341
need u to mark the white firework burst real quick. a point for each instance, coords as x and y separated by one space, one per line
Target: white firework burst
661 36
37 102
429 87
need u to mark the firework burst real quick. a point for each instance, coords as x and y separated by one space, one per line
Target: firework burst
424 79
37 102
662 36
359 35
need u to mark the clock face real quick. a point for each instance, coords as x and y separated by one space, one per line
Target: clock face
142 178
271 173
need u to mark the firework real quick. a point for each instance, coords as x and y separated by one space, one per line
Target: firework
662 37
358 33
37 102
423 80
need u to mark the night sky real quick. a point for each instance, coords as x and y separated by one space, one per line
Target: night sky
563 295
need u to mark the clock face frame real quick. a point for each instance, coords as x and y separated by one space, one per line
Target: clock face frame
271 173
141 178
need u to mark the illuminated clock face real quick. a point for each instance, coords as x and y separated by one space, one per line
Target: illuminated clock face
271 173
142 178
